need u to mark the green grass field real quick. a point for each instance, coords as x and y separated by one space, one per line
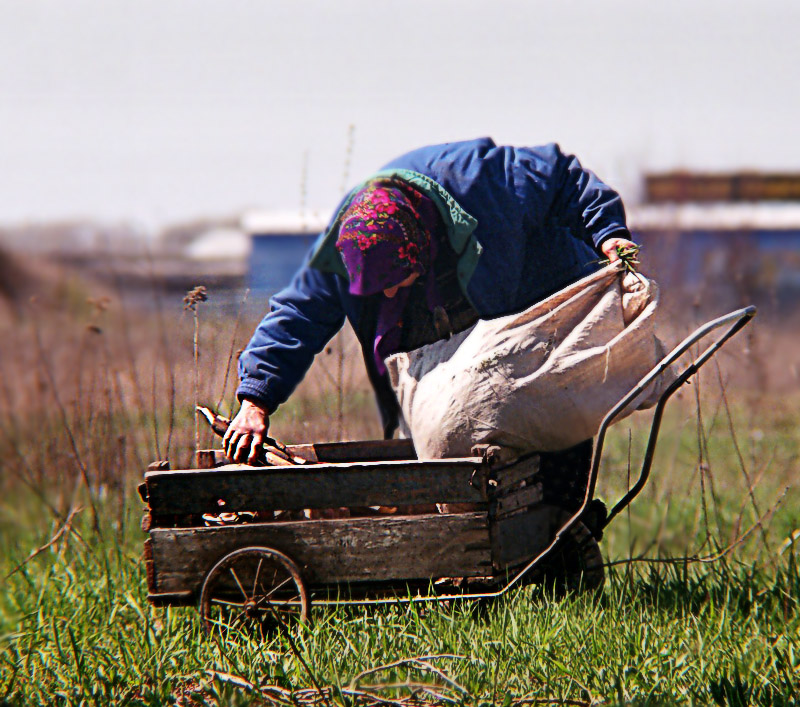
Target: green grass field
700 604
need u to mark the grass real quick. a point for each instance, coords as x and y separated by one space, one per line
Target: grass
78 630
90 394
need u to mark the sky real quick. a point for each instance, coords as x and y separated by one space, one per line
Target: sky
155 111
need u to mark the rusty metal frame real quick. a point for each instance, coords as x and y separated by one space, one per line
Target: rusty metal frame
740 319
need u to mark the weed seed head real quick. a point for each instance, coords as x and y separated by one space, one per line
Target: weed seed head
98 304
194 297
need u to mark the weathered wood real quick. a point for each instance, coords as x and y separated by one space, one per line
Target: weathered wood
214 458
512 476
328 551
274 459
329 452
148 565
269 456
493 454
519 499
246 488
209 458
518 538
172 599
369 450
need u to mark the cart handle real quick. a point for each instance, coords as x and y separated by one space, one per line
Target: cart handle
738 320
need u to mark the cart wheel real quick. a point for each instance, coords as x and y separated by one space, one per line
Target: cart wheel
253 586
575 564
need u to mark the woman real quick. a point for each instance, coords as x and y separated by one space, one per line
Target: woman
440 237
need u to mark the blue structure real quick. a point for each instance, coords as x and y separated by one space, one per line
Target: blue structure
279 242
723 250
274 259
726 249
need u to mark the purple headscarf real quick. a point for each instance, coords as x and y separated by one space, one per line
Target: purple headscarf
386 236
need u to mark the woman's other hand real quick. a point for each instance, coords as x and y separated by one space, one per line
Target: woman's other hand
246 433
610 246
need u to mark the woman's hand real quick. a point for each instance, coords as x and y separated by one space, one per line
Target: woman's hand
246 433
610 245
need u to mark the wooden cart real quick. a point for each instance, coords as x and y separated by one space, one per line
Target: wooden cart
503 517
255 543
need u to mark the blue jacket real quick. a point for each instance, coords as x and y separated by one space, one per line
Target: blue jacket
525 222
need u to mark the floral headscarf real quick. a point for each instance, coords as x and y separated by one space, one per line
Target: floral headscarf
384 237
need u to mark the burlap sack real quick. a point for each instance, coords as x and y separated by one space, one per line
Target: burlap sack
539 380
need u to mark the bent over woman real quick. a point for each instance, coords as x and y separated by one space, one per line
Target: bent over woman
439 238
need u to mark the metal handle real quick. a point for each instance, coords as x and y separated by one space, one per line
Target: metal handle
738 320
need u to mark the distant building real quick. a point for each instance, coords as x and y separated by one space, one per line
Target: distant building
279 243
735 235
695 187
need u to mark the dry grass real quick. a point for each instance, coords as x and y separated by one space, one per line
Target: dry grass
91 391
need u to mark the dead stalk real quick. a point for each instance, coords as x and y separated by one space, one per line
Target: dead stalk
422 662
714 557
62 531
46 366
191 301
740 457
169 372
231 352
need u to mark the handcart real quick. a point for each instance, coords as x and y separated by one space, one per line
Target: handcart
262 544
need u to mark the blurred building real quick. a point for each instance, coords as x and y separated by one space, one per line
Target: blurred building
279 242
734 237
695 187
724 238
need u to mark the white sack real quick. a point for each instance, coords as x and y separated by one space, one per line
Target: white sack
539 380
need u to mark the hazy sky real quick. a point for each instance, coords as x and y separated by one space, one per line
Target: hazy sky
156 110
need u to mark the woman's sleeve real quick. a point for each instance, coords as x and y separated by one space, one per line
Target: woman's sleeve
303 317
591 208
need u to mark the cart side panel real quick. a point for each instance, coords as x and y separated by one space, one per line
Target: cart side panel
342 550
512 477
149 567
518 538
246 488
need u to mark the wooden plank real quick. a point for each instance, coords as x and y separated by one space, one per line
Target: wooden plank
368 450
329 452
209 458
172 599
511 476
247 488
517 539
148 565
345 550
273 459
519 499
